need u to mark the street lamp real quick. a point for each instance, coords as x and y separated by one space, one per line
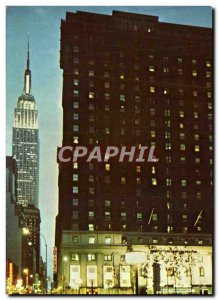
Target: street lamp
135 258
65 259
26 231
46 257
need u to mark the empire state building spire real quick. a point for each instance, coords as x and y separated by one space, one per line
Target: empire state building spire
27 74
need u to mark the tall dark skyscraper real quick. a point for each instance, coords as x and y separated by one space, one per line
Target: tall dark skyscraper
131 80
26 143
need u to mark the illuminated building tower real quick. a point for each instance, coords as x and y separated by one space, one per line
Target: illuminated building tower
26 143
129 79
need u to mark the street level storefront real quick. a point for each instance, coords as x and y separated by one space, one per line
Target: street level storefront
98 263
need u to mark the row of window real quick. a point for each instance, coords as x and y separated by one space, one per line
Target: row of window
152 90
180 60
169 228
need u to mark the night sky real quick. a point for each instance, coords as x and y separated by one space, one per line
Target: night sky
43 25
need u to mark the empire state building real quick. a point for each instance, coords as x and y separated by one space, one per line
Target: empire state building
26 143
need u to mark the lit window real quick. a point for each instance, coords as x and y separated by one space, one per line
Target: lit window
75 139
194 93
122 76
91 239
123 215
209 94
75 93
182 147
168 123
74 257
153 181
196 137
181 114
76 82
194 73
91 191
166 91
138 169
168 146
198 195
197 160
122 98
91 257
107 96
197 148
107 240
167 135
107 85
166 70
208 64
201 272
179 71
76 116
168 182
91 95
107 203
139 216
154 217
180 60
91 73
182 158
108 257
209 105
92 274
196 115
208 74
107 215
75 128
138 180
151 69
182 135
152 89
75 177
123 180
75 190
183 182
198 182
91 227
75 105
107 131
107 167
153 170
167 113
75 71
125 276
153 133
168 159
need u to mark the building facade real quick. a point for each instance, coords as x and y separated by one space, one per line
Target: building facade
95 263
131 80
13 224
25 148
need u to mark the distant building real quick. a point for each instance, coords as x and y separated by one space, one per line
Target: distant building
13 224
26 143
32 220
131 80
